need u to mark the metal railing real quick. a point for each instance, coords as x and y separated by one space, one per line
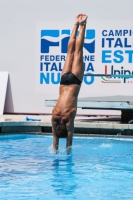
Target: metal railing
111 75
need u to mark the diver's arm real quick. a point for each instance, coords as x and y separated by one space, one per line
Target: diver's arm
69 142
70 128
55 139
55 143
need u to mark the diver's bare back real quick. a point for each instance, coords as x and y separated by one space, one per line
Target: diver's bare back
66 105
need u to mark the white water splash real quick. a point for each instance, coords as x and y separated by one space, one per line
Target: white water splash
105 145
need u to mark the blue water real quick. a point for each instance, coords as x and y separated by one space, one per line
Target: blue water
99 168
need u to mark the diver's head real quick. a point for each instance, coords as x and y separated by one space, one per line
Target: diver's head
61 131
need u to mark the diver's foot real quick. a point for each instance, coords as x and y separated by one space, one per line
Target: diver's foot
83 19
78 19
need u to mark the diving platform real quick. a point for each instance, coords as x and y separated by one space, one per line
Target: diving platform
120 102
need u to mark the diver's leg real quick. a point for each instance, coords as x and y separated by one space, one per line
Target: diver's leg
71 48
78 66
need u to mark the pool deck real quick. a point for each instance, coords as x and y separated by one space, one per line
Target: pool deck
100 125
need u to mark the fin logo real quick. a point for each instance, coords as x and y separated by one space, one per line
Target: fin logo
53 38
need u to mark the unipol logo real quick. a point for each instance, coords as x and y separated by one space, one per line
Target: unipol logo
59 39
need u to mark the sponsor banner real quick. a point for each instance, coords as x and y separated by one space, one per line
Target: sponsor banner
108 49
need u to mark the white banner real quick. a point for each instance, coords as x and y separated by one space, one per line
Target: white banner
108 49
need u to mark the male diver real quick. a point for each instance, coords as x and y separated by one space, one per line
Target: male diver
64 112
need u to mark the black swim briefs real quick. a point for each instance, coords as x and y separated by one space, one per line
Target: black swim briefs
69 78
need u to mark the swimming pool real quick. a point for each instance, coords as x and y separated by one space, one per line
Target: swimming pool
99 168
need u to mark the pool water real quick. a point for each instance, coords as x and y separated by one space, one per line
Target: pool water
99 168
